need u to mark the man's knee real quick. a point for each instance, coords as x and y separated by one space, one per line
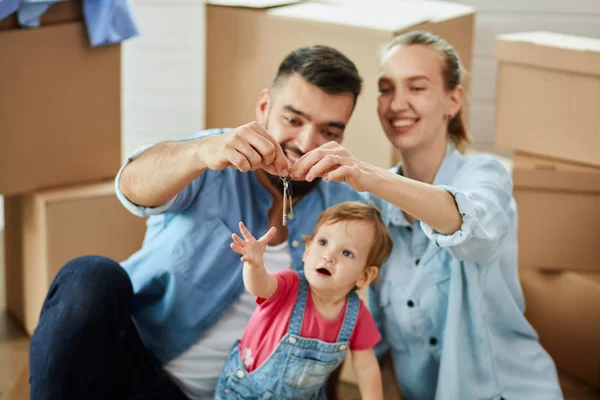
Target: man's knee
92 284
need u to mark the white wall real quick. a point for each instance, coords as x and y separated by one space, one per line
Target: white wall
163 73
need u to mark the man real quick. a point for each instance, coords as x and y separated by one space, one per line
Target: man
184 288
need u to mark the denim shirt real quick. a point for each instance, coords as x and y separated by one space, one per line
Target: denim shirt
451 306
186 276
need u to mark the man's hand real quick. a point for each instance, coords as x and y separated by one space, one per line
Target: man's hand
246 148
252 250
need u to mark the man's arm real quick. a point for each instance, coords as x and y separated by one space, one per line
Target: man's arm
368 374
162 171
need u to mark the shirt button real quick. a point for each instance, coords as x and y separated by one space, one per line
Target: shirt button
417 261
226 390
240 374
432 341
295 243
292 340
342 347
410 303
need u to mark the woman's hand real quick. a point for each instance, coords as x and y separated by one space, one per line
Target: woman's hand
333 163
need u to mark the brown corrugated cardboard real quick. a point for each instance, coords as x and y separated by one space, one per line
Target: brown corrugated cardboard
559 213
243 60
59 109
548 95
58 13
13 279
56 226
563 308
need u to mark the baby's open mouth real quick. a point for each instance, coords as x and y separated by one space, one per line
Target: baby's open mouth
323 271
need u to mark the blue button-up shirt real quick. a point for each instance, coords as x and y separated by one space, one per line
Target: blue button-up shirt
186 275
451 306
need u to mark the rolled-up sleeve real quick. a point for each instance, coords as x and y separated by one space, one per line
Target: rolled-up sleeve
483 193
135 209
179 202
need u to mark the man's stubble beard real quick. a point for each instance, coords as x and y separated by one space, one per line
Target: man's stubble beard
299 188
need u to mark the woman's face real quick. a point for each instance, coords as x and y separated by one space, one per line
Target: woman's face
413 102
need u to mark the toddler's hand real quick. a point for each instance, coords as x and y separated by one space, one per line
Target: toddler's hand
252 250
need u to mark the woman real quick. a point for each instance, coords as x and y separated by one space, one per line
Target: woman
449 296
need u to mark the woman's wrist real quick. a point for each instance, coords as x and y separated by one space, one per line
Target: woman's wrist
374 178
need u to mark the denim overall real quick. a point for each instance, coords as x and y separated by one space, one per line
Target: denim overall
297 369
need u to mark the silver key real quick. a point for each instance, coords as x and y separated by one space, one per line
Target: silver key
287 198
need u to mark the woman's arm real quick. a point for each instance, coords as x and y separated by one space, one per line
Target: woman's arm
471 216
427 203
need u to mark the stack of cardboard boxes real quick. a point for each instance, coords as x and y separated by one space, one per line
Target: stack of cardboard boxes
548 111
60 135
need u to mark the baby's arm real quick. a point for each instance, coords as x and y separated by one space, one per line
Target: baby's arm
256 278
368 374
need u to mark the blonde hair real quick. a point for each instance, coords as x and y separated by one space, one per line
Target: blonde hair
452 74
356 211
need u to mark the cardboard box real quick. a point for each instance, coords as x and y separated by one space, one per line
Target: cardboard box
60 109
548 95
559 213
46 229
564 308
246 46
58 13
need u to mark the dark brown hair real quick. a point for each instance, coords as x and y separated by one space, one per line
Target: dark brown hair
324 67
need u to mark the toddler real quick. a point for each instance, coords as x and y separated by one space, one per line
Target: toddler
306 321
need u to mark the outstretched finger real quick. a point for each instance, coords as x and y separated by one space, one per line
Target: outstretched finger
266 238
236 248
245 232
238 240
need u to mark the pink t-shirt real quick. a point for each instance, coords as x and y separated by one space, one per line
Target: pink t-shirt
269 323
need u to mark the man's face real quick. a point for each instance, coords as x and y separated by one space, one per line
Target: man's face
302 117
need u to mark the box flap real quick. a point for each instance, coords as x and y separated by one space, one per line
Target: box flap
591 275
543 173
383 15
259 4
550 50
76 192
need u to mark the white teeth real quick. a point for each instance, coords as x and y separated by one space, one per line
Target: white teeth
403 122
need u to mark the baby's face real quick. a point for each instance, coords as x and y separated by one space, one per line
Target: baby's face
337 256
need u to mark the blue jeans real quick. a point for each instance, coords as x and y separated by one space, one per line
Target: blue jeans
86 345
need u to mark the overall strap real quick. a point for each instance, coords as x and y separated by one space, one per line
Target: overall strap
298 314
350 317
